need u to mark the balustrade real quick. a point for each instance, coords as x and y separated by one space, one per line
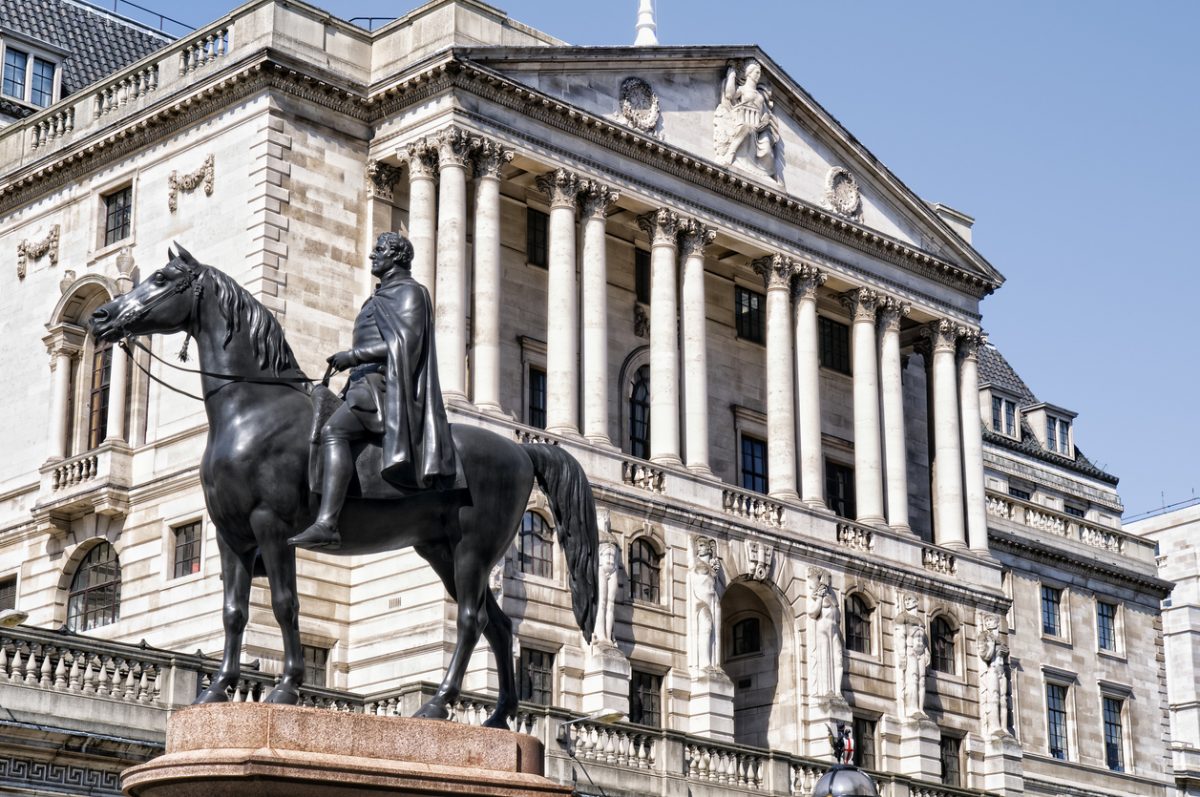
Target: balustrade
204 49
53 126
643 475
855 537
615 745
939 561
725 765
129 88
75 471
72 668
1047 520
752 506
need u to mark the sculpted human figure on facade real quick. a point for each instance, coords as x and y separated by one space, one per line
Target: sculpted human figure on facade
608 556
704 618
993 682
746 116
824 636
912 659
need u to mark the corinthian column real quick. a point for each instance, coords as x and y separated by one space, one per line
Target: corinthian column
947 456
562 316
662 226
421 158
485 323
694 237
808 384
868 453
972 439
596 199
892 389
776 271
454 151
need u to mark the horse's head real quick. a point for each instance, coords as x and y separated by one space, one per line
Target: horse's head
164 302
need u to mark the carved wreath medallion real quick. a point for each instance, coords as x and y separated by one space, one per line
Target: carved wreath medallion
841 193
639 105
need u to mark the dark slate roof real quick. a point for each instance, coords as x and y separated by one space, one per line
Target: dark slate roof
994 370
99 42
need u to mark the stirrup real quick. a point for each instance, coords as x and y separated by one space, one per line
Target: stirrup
319 535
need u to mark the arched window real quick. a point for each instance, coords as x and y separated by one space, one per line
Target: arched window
536 552
95 597
639 414
747 637
645 567
858 624
941 645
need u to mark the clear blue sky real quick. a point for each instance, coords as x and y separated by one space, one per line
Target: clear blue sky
1068 129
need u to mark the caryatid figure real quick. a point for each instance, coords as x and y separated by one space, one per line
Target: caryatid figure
606 591
993 683
704 619
824 636
912 660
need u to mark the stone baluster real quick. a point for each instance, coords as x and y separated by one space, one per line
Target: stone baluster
776 271
597 199
947 454
891 371
808 383
485 325
868 452
972 439
562 316
662 226
454 151
694 238
421 158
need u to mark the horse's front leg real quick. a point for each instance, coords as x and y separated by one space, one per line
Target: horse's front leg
236 573
279 558
470 582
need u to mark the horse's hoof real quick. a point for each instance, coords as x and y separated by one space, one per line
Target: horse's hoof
433 710
497 720
284 695
210 695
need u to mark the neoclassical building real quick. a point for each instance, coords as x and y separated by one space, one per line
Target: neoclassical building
823 495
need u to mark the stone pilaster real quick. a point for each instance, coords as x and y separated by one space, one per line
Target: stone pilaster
490 158
596 200
948 527
972 439
891 369
454 147
777 271
868 452
808 384
421 159
562 334
694 238
662 226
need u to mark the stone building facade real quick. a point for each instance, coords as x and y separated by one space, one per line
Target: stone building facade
765 350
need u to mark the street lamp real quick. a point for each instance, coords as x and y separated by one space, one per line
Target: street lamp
843 778
605 716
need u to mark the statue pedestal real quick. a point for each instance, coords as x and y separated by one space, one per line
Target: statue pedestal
920 753
286 751
823 713
1003 766
710 707
606 679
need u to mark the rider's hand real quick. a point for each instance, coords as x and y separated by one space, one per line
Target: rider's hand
342 360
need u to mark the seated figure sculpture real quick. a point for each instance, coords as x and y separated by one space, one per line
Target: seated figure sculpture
392 395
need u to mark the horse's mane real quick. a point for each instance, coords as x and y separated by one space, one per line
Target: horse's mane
236 306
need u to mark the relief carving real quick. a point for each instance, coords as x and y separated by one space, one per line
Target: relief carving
842 195
912 659
745 130
825 643
704 616
189 182
33 250
639 106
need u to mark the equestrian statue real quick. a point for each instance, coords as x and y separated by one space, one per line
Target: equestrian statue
289 464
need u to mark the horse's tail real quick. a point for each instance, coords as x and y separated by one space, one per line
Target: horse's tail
566 487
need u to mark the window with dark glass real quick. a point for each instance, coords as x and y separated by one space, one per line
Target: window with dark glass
747 636
858 624
536 237
641 275
645 567
864 743
839 489
748 314
42 86
1056 719
1106 625
1004 416
95 596
1057 435
187 549
98 393
1017 492
316 665
950 750
639 414
537 676
754 464
1051 611
15 65
1074 511
645 699
941 644
536 415
833 340
535 554
118 215
8 593
1114 754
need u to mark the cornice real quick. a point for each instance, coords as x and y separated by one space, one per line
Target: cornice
1057 460
1030 550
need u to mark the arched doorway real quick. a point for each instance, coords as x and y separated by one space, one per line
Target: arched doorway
751 647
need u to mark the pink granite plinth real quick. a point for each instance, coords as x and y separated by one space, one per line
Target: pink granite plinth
286 751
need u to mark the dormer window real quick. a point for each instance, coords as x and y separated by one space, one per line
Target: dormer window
1004 416
1058 435
28 77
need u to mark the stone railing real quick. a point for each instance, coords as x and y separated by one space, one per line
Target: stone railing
128 88
939 561
1052 522
533 436
76 470
204 49
725 765
55 125
127 677
752 506
643 475
96 481
855 537
618 745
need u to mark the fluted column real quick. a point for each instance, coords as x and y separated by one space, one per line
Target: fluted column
60 399
972 439
421 158
694 238
562 316
948 527
454 150
596 200
485 322
892 407
662 226
776 271
117 379
808 385
868 452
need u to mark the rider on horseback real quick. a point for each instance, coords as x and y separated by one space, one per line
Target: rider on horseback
393 393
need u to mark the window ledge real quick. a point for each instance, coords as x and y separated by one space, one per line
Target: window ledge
1057 640
648 606
1114 655
110 249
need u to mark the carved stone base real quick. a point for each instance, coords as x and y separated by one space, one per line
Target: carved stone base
919 749
710 707
606 679
286 751
824 712
1002 765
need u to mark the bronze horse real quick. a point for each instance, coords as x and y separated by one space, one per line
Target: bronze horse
255 478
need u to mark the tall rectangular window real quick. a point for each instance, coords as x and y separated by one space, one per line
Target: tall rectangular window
118 215
536 415
641 275
98 394
1057 435
748 309
1114 753
42 87
754 464
1051 611
864 743
1106 625
537 226
839 489
1056 720
15 65
833 340
950 750
645 699
8 593
187 549
537 676
1004 416
316 665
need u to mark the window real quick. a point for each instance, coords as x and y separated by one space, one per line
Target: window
42 87
1004 416
95 596
864 743
118 215
639 414
1106 625
98 393
754 464
187 548
941 643
645 565
1017 492
28 78
316 665
536 412
537 676
747 636
8 593
641 275
1074 511
645 699
536 553
16 63
1051 611
858 624
839 489
950 751
748 314
834 341
1056 719
536 236
1057 435
1114 754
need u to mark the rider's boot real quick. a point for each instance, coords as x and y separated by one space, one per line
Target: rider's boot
337 464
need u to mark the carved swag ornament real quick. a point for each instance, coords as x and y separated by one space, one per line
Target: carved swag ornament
29 250
190 182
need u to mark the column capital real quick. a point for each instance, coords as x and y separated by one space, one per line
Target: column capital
942 335
969 343
776 270
421 159
490 157
454 147
862 303
661 225
562 187
891 310
694 237
596 198
381 177
808 279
